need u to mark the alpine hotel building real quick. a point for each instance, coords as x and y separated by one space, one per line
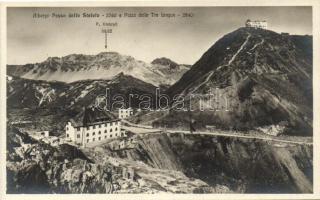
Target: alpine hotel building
92 125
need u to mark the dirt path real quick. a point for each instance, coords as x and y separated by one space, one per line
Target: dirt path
229 63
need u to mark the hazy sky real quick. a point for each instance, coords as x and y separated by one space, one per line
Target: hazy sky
183 40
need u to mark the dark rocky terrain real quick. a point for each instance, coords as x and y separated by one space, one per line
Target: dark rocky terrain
266 78
49 105
26 93
37 167
241 165
163 163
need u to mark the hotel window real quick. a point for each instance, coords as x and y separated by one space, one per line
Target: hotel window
111 130
87 134
78 128
67 135
88 140
88 127
93 133
99 125
105 131
78 136
67 128
111 135
94 126
105 137
116 129
99 132
99 138
116 135
93 139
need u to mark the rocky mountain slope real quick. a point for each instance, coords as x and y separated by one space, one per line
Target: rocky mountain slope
105 65
174 163
36 167
25 93
222 162
170 69
265 77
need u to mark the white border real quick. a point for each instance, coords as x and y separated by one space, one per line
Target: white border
148 3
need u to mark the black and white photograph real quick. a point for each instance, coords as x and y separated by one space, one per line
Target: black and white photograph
159 100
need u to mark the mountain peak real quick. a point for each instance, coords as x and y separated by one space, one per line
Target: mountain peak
109 53
105 65
264 73
249 51
165 62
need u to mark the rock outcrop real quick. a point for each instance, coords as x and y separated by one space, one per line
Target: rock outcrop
26 93
36 167
242 165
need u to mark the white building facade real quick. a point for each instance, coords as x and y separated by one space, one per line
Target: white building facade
257 24
124 113
93 131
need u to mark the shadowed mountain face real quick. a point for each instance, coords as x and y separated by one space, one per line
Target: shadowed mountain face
266 78
105 65
274 167
25 93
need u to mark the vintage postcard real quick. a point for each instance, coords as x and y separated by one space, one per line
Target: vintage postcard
113 99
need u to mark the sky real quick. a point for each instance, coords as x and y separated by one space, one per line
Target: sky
182 39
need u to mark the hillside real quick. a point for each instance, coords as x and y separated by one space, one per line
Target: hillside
170 69
266 78
26 93
37 167
221 162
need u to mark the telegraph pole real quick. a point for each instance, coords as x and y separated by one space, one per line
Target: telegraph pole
106 40
106 31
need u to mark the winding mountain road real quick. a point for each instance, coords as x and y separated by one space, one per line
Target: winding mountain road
141 129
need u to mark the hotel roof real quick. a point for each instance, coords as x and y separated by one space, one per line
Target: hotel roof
91 116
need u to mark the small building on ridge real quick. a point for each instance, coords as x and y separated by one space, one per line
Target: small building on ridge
257 24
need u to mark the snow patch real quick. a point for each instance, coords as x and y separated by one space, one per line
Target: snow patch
44 94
